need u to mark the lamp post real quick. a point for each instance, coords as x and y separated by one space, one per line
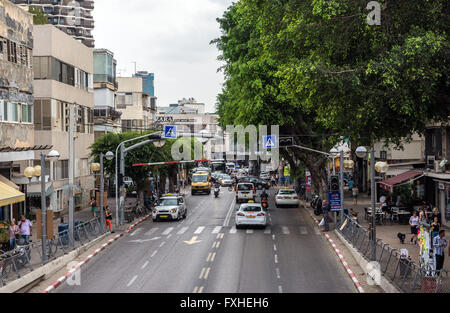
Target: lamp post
52 155
28 173
99 167
382 167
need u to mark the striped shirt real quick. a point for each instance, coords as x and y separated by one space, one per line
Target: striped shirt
437 245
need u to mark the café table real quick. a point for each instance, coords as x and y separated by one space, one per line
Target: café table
403 217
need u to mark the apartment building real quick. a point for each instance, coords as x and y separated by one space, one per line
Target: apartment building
134 103
74 17
63 76
106 117
16 105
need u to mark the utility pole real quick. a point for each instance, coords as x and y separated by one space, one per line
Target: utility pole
71 171
341 182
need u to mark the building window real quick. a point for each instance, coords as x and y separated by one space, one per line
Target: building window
42 114
4 110
13 112
27 113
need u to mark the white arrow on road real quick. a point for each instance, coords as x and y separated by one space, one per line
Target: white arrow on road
192 241
144 240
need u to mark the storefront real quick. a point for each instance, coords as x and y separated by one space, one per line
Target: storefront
438 187
9 197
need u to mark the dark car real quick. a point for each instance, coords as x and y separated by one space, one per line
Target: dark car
256 181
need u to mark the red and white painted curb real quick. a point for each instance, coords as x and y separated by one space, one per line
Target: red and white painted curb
63 278
341 257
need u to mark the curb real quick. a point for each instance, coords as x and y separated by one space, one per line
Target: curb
63 278
341 257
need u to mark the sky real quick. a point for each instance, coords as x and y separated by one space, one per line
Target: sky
169 38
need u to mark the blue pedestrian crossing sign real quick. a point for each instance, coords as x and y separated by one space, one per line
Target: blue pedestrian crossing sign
170 132
270 142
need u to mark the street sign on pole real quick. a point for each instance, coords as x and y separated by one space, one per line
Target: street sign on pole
334 199
270 142
286 141
170 132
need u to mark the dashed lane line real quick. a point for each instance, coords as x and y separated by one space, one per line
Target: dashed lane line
132 280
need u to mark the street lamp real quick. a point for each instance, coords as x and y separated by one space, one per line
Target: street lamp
28 173
52 156
98 167
380 167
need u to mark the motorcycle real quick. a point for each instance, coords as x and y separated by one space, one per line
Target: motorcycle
216 191
265 204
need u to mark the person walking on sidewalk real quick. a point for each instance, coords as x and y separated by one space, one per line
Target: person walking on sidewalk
108 218
25 229
414 223
93 207
325 210
435 227
439 245
355 194
14 233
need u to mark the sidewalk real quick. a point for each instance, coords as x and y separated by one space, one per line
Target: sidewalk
388 233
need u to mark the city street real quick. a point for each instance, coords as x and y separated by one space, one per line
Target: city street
206 253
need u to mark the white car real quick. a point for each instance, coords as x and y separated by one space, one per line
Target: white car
264 175
225 180
169 207
251 214
245 192
286 197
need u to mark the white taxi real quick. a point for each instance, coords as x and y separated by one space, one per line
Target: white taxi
286 197
251 214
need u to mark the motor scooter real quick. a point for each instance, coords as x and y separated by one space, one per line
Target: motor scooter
216 191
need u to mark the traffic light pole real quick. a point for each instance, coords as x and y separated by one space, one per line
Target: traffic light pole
341 183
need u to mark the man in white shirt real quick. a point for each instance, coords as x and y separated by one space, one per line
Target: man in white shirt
439 245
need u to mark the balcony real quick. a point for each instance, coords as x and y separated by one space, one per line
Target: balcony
106 112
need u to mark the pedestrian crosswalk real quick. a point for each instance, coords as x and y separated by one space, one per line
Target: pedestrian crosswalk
290 230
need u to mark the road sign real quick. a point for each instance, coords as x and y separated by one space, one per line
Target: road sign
287 171
170 132
286 141
270 142
334 199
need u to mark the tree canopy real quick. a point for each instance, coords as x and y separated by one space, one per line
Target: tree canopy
317 69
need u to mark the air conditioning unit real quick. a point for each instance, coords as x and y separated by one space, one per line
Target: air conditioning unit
437 167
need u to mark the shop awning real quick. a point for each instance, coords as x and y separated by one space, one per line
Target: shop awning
391 182
6 181
9 195
34 190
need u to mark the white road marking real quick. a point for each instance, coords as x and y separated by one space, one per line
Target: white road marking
213 256
217 245
214 244
280 289
274 247
162 244
136 231
229 213
167 231
273 237
200 290
267 231
201 273
132 281
207 272
233 230
195 289
221 235
151 231
216 229
169 236
183 230
209 257
277 270
276 258
303 230
285 230
249 231
199 230
154 253
145 265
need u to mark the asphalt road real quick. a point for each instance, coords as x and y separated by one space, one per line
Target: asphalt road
205 253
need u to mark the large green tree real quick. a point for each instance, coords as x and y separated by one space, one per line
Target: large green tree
317 69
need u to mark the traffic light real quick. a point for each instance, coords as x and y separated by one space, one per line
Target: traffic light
120 179
334 183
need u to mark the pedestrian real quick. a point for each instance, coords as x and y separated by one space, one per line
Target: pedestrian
422 218
435 227
437 214
414 223
14 233
26 228
93 204
108 218
355 194
439 245
351 183
325 210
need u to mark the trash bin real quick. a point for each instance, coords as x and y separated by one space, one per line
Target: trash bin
63 232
